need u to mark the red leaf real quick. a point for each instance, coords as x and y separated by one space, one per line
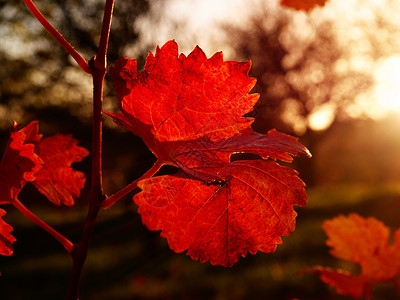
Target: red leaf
183 98
19 163
57 180
189 112
306 5
364 241
202 158
179 100
220 222
6 239
46 163
344 282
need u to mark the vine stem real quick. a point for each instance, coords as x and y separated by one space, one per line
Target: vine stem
130 187
98 69
68 245
101 58
80 250
67 46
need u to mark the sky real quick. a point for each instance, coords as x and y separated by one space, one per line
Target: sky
197 22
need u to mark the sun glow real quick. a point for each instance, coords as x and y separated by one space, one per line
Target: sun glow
322 118
387 89
368 34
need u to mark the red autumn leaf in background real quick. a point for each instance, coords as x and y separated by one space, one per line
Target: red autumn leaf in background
189 111
44 162
306 5
345 283
364 241
57 180
6 239
19 163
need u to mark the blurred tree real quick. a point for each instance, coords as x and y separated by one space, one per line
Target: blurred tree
39 80
298 63
312 70
38 73
369 153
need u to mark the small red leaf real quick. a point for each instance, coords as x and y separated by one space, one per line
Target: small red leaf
19 163
6 239
344 282
222 221
46 163
306 5
57 180
364 241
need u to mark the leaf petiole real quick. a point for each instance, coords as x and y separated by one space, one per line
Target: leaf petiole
67 46
130 187
68 245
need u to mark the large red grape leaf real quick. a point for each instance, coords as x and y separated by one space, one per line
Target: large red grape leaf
179 102
19 163
6 239
306 5
179 98
189 112
364 241
222 221
57 180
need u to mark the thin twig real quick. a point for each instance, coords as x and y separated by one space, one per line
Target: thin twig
68 245
129 188
67 46
98 71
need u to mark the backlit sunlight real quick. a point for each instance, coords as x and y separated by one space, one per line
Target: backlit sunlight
387 89
368 31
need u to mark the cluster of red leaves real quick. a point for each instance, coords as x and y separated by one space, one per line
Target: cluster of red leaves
46 163
306 5
363 241
189 110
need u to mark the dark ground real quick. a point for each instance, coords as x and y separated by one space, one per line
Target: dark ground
126 261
